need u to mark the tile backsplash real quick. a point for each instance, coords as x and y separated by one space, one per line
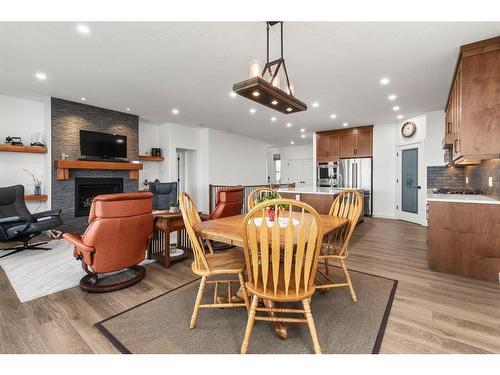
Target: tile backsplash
452 177
478 175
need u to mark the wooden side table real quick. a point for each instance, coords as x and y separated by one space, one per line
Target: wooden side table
166 223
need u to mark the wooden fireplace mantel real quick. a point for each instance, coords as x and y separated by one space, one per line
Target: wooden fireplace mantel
63 167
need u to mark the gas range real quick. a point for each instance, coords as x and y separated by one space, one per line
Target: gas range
446 190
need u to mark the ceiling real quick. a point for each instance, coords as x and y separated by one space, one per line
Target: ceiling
155 67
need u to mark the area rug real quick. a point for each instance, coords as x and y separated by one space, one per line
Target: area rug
161 324
37 273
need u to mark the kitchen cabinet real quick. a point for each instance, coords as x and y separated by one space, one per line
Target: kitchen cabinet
356 143
344 143
472 127
327 146
364 141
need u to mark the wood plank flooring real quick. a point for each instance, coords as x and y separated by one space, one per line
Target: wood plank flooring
432 312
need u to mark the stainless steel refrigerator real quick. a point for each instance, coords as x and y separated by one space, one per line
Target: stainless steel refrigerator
357 174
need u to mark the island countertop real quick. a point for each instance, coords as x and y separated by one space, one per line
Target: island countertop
312 190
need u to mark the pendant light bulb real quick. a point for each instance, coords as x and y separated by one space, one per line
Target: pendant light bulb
254 68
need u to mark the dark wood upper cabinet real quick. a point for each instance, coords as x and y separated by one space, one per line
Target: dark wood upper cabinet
327 146
349 143
472 125
364 142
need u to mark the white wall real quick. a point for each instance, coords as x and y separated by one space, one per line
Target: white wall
288 153
386 139
235 159
212 157
434 154
149 136
384 170
22 117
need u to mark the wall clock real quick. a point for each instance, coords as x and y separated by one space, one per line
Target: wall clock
408 129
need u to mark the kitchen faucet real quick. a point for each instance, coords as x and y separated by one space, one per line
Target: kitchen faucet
333 178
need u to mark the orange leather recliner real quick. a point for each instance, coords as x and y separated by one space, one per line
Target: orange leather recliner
229 202
120 228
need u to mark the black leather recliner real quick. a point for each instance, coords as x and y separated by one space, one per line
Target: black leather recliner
17 224
164 194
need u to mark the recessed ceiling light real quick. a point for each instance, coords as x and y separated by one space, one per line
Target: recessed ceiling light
292 142
83 99
315 104
289 109
333 115
252 110
83 29
400 117
273 119
232 94
175 111
303 135
392 97
274 102
41 76
384 81
345 124
256 93
302 130
395 108
128 109
288 124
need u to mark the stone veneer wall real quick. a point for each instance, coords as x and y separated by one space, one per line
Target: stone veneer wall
67 120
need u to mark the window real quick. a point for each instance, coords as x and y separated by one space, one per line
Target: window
277 167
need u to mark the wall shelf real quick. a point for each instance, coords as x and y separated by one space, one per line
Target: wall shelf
35 198
151 158
25 149
64 166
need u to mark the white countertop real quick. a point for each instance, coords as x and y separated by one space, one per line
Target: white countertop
311 190
460 198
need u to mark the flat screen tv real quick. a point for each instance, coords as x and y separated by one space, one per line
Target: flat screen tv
95 145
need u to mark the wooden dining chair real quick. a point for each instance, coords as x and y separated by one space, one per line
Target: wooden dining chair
260 193
349 205
206 265
281 259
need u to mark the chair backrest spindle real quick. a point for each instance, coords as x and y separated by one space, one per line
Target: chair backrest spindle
348 204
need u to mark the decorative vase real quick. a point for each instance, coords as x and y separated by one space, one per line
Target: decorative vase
271 215
38 190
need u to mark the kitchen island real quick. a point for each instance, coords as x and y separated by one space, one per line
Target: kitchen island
320 198
464 235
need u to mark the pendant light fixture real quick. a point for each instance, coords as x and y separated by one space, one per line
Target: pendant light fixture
267 91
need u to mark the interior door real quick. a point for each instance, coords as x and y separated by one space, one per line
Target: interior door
411 199
300 171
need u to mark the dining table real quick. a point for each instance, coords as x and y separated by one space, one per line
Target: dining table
230 230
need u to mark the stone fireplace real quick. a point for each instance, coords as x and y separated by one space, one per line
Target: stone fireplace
73 195
86 189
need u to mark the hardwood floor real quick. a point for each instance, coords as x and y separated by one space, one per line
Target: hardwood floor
432 312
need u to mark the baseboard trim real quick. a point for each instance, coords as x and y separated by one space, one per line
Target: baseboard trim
385 217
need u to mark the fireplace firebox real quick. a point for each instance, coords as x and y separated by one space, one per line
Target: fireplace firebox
86 189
